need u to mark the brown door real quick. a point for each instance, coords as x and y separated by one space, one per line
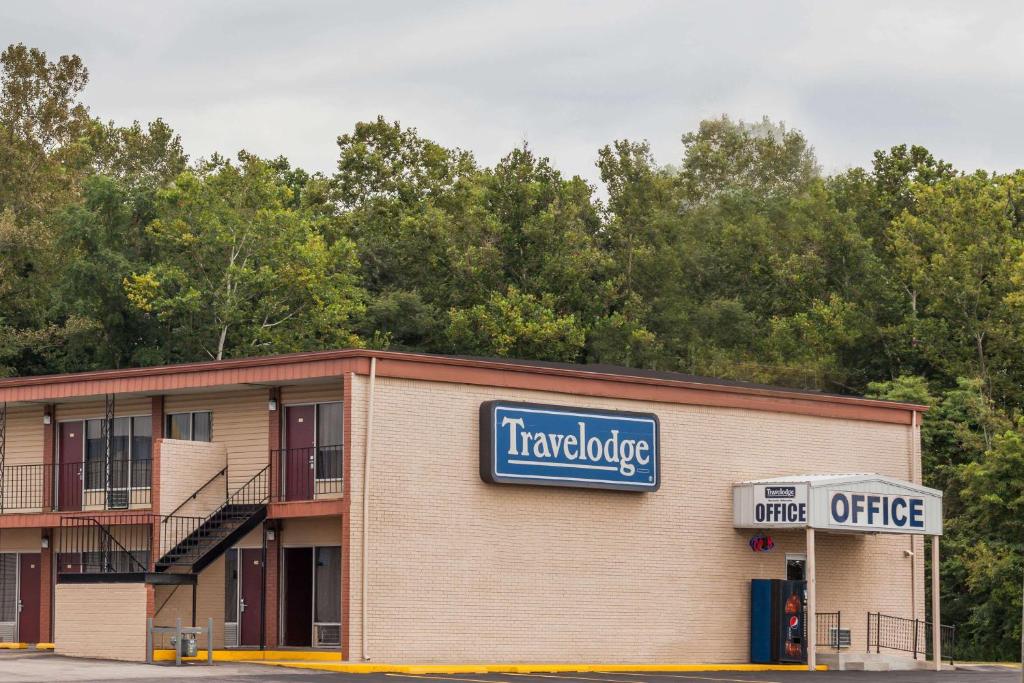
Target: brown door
250 604
300 435
28 598
70 469
298 597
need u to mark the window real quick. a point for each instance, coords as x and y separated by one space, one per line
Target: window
131 450
8 587
327 584
197 426
330 432
231 586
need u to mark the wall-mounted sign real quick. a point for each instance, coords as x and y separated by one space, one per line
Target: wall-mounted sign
761 543
527 443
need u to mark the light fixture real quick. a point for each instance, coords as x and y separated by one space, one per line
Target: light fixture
47 418
271 534
45 542
908 553
272 404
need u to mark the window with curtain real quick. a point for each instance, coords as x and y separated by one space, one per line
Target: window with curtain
231 586
330 435
193 426
95 455
327 584
142 451
8 587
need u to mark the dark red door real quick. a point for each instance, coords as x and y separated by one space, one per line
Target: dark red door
298 597
70 468
300 435
250 578
28 599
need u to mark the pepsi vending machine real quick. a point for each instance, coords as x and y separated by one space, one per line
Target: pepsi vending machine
777 628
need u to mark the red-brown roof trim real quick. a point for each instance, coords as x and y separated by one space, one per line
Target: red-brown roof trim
488 372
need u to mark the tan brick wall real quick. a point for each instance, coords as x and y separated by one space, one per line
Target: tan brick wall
101 620
176 601
239 424
185 466
465 571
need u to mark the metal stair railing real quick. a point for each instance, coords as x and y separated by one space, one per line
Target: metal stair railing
908 635
185 540
81 536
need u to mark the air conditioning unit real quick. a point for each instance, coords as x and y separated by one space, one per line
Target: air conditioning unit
118 499
230 634
839 637
327 635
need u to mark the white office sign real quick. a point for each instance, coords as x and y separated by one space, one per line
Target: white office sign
865 503
780 505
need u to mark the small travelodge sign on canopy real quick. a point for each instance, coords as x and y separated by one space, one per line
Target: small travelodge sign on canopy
547 445
869 503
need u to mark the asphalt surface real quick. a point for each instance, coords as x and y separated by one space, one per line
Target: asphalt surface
19 666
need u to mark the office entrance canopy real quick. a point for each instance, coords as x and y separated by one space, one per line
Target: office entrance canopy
866 503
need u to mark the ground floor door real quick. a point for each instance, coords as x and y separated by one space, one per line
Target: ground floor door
29 585
298 597
250 598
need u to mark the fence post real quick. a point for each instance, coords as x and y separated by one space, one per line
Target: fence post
177 642
868 639
878 632
915 638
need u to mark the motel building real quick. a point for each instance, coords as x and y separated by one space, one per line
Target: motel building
412 508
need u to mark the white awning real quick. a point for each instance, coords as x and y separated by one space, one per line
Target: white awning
867 503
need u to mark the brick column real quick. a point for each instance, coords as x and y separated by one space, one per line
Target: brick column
46 577
157 424
274 443
49 472
272 568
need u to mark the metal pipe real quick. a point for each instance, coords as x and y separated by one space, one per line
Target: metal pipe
366 504
936 608
812 602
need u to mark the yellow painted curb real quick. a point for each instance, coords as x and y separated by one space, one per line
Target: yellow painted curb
44 646
13 646
252 656
420 669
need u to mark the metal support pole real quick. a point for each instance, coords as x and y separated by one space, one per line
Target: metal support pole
194 604
936 609
149 640
209 641
177 642
3 449
812 589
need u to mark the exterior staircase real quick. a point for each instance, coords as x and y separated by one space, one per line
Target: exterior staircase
193 543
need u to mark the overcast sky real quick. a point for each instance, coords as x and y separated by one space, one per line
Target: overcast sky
568 77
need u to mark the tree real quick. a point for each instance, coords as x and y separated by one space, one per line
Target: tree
238 272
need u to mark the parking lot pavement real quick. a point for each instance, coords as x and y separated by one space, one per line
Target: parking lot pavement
989 675
21 665
31 666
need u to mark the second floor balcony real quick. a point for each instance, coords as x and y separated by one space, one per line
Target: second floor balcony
76 486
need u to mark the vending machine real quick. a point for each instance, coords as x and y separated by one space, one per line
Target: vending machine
778 625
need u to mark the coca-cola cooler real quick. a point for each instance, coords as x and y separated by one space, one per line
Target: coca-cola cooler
777 628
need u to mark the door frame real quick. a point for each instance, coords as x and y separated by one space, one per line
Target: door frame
316 438
283 599
60 464
261 592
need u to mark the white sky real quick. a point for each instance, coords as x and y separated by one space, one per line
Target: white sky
568 77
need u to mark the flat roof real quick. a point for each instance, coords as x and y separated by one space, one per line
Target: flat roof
284 369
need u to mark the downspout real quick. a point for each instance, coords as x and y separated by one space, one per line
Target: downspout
913 555
366 502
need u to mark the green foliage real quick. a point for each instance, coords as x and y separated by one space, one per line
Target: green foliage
904 280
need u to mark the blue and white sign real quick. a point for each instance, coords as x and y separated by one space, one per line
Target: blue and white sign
527 443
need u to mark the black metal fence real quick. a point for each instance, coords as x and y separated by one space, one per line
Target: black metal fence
116 544
309 473
828 630
886 632
74 486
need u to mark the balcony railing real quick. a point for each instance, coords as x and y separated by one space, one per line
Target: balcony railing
310 473
76 486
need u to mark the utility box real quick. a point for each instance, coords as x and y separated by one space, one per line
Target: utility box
188 646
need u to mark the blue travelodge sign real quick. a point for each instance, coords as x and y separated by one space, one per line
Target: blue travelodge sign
528 443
